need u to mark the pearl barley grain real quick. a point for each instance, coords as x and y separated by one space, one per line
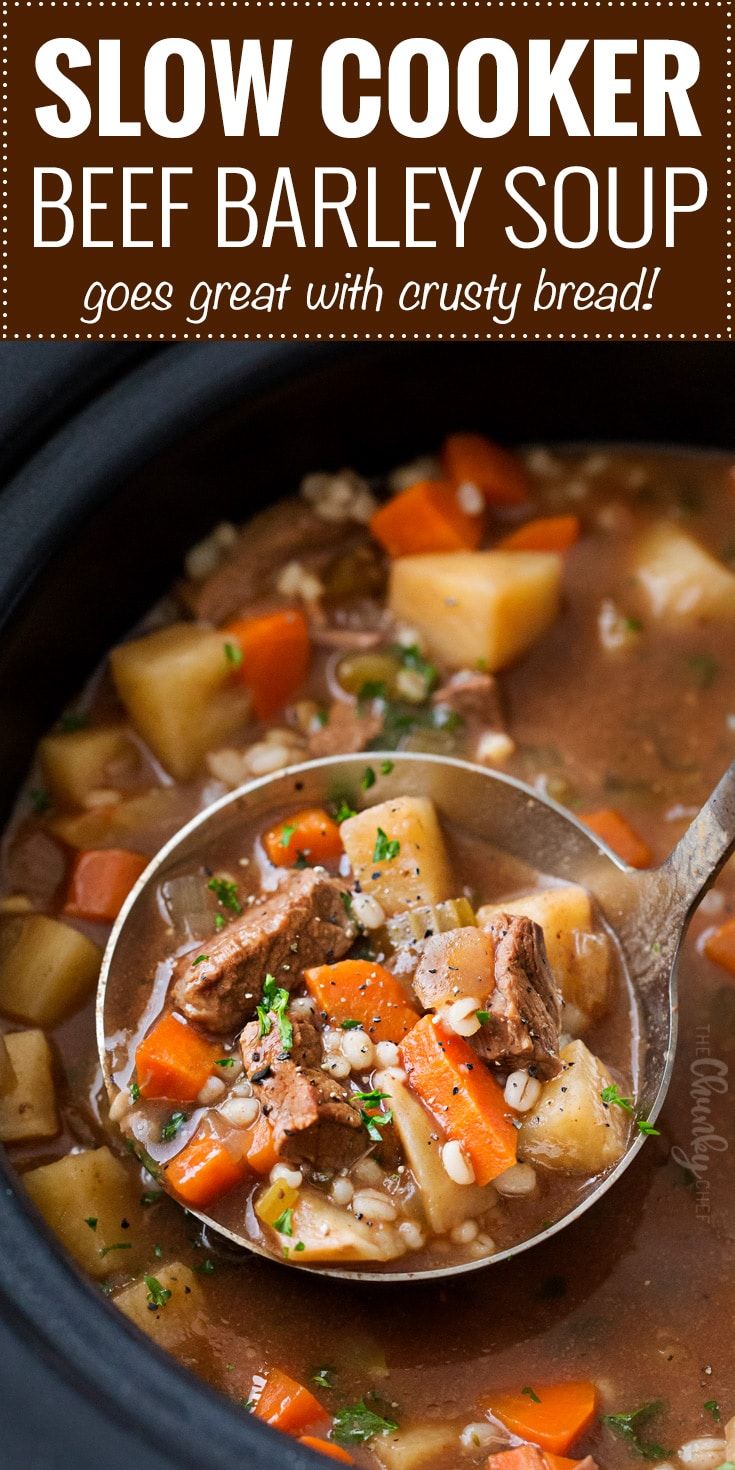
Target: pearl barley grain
456 1164
517 1181
462 1016
522 1092
359 1050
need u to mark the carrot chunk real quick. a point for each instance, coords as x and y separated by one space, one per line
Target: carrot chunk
552 1418
310 833
472 459
173 1060
720 946
359 990
326 1447
523 1457
461 1095
288 1406
545 533
204 1170
426 517
275 656
620 836
100 883
262 1153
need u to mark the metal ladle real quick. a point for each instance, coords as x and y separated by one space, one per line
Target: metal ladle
647 911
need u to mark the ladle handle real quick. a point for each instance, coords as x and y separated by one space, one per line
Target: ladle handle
705 847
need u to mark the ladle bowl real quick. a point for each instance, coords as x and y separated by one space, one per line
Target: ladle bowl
647 912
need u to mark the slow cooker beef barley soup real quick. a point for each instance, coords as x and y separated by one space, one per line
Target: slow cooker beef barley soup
364 1037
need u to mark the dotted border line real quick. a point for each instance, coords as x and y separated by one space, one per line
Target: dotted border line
371 336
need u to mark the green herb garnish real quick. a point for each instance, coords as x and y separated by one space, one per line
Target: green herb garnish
134 1090
357 1424
628 1426
368 778
151 1197
349 1025
373 1116
372 689
120 1245
275 1002
225 1062
233 654
612 1097
201 959
219 922
413 658
532 1395
284 1223
171 1128
483 1017
158 1294
91 1221
386 767
322 1376
205 1268
226 892
287 832
386 848
344 811
713 1409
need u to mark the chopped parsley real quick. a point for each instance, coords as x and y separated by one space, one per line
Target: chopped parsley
158 1294
612 1097
368 778
284 1223
91 1221
483 1017
703 668
226 892
386 767
713 1409
287 832
120 1245
349 1025
373 1116
205 1268
170 1129
299 1246
322 1377
151 1197
134 1090
219 922
532 1395
344 811
628 1427
386 848
201 959
357 1424
40 799
275 1002
412 658
225 1062
233 654
633 625
372 689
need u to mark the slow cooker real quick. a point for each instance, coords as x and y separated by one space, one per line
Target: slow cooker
113 460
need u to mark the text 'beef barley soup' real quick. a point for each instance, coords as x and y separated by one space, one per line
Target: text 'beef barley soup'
365 1037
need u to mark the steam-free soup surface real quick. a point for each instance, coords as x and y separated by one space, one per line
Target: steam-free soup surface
616 699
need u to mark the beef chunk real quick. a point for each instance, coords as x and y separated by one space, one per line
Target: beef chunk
305 922
348 729
310 1113
286 532
524 1008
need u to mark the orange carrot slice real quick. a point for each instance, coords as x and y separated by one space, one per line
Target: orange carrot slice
262 1153
204 1170
523 1457
461 1095
619 835
426 517
720 946
546 533
326 1447
360 990
100 883
310 833
275 656
550 1416
174 1061
472 459
288 1406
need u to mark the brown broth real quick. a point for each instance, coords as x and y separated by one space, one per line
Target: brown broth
640 1293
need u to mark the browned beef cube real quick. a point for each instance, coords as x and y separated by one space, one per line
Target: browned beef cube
524 1009
310 1113
305 922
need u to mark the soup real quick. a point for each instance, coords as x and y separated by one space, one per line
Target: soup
568 618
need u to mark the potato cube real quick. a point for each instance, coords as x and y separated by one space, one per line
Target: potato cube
28 1110
458 963
445 1203
328 1232
7 1075
579 958
414 1449
84 1198
407 864
177 686
167 1319
75 762
141 823
477 607
680 579
47 969
571 1128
